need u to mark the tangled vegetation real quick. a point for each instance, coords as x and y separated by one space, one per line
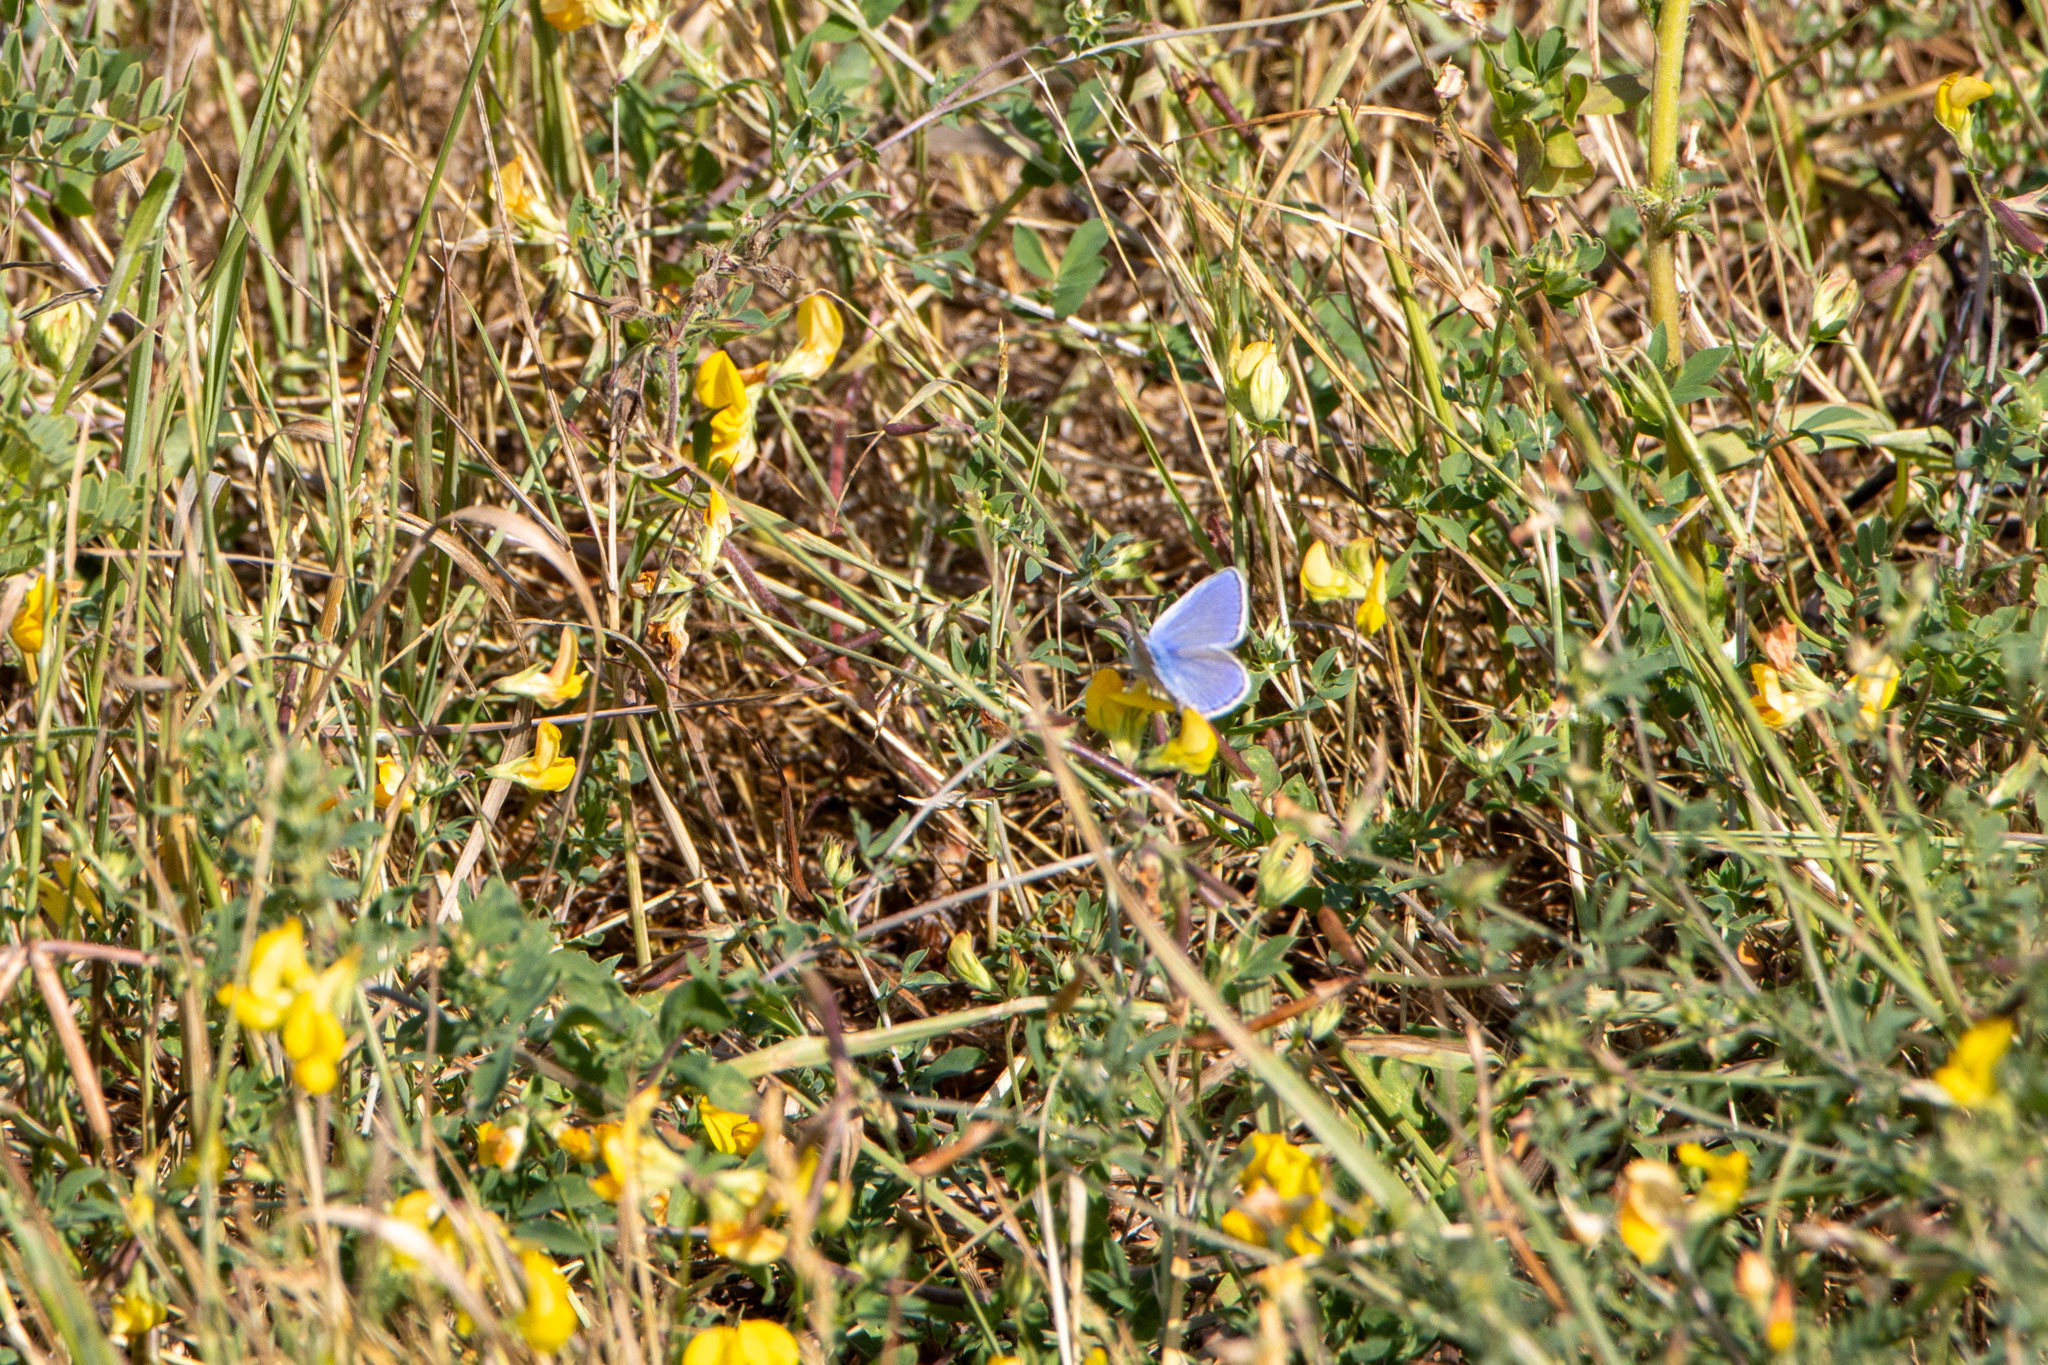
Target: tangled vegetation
584 775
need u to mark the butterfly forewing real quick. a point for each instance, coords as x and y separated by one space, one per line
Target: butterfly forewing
1215 612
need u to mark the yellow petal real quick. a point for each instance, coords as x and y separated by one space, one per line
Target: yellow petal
390 772
1324 580
277 971
545 768
718 382
1191 751
29 620
819 332
1372 612
1959 90
756 1341
549 684
730 1131
549 1318
1727 1173
1971 1073
1652 1209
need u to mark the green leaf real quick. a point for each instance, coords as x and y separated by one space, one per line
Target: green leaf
1030 251
1081 268
1613 95
1694 379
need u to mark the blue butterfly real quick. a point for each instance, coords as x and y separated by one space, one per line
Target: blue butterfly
1188 650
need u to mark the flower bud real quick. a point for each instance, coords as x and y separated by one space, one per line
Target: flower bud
1260 382
1285 870
54 333
1755 1281
966 965
1835 301
835 860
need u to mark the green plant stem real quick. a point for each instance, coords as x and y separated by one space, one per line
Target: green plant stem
1660 247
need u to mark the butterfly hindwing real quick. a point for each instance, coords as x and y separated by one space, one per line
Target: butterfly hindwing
1210 681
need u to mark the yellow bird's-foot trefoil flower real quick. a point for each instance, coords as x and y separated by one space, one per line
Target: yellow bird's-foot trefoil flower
545 769
1361 577
736 1218
632 1152
1782 698
31 620
1191 751
137 1309
549 1318
1727 1177
570 15
1970 1076
500 1146
731 1131
553 684
390 775
312 1032
526 205
277 973
729 395
756 1341
1874 686
1959 90
1280 1198
819 332
1652 1209
1122 715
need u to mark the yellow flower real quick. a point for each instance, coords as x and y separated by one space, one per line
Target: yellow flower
1953 100
500 1147
312 1034
1122 716
1372 612
549 1318
1782 698
570 15
1362 577
579 1142
1874 686
1323 579
525 205
1281 1197
390 773
1260 382
136 1308
729 396
1727 1175
756 1341
736 1218
731 1131
819 332
277 972
553 684
420 1209
629 1150
1191 751
29 621
1971 1074
545 769
1652 1209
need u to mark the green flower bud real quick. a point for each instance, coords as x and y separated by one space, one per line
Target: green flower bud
966 965
54 334
1835 301
1260 382
835 860
1285 869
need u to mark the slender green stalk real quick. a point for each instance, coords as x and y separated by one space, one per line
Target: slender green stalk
1660 238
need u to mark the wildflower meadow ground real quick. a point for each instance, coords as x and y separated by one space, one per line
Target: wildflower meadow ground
1023 683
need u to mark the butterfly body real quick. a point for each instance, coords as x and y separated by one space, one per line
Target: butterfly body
1187 652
